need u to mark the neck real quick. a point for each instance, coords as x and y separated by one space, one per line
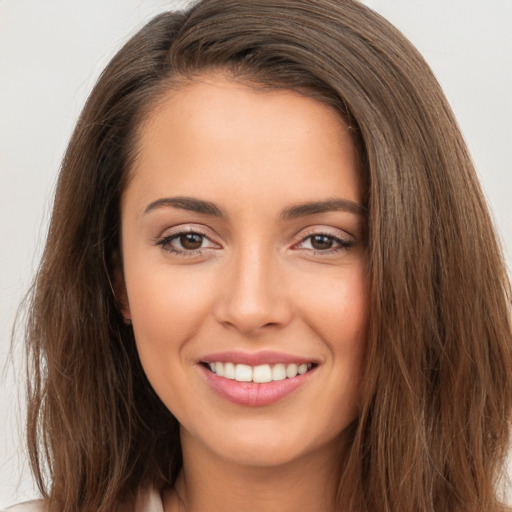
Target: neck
209 483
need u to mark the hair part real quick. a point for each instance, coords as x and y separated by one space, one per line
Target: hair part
434 423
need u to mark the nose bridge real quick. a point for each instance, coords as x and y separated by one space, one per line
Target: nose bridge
252 297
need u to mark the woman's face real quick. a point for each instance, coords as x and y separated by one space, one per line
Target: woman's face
244 253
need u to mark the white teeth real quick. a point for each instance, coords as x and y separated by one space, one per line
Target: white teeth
303 368
279 372
229 370
243 372
260 374
291 370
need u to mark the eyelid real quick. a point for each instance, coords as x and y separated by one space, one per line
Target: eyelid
325 230
170 234
185 228
343 239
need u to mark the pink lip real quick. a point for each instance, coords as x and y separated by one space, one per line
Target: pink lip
253 394
255 358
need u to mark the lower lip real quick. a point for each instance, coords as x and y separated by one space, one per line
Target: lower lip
253 394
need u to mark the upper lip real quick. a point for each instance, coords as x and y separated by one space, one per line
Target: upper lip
255 358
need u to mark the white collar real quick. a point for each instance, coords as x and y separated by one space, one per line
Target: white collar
149 500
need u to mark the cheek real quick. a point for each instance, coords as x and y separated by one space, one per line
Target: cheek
166 308
336 307
337 312
160 295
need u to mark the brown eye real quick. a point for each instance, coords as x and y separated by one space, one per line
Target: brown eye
191 241
187 243
321 242
324 244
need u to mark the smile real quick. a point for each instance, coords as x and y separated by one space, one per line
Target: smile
258 374
257 379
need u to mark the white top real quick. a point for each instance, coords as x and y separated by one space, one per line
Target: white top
148 500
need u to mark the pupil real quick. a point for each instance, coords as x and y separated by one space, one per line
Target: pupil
191 241
321 242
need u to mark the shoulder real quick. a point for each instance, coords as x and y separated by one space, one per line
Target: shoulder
27 506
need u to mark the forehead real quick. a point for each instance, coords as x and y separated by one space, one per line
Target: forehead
214 134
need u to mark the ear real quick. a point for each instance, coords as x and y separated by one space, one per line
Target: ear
119 288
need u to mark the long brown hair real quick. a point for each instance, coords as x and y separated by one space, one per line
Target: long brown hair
434 422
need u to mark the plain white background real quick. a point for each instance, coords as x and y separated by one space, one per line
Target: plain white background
51 53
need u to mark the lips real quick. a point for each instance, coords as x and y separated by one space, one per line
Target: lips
256 379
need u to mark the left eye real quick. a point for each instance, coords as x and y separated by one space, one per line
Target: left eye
323 242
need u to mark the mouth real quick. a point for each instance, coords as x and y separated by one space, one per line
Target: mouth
259 374
256 379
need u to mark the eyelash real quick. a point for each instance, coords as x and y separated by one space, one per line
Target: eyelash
342 244
165 243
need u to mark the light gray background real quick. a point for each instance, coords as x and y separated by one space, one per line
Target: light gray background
51 53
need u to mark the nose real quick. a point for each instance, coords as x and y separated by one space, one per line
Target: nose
252 293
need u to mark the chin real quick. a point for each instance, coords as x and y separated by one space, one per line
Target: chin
266 444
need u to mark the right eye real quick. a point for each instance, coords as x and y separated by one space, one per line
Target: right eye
186 243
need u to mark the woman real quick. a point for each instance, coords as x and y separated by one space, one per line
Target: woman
271 281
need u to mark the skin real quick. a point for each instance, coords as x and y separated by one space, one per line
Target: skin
258 282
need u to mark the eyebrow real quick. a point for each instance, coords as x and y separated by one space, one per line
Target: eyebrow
293 212
186 203
329 205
